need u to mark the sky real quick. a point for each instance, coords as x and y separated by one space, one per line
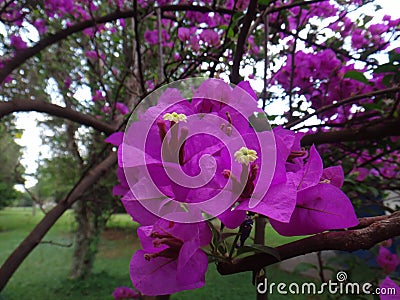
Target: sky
31 138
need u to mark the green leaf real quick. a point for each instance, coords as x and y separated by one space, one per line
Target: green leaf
231 33
386 68
394 56
387 79
367 19
257 248
359 76
263 2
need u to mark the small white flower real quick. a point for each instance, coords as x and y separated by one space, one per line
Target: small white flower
245 155
175 117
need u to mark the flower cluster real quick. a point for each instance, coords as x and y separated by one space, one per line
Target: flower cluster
389 262
389 285
322 83
125 293
215 155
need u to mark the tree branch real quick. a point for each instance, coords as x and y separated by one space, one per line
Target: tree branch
138 53
367 133
33 239
348 240
24 54
18 105
189 7
244 31
291 5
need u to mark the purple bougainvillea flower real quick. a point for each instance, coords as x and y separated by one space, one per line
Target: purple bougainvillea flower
320 204
122 108
387 260
125 293
91 54
183 34
278 203
333 175
106 109
310 175
150 36
40 25
280 200
98 96
318 208
389 290
17 42
122 188
288 144
275 201
174 120
115 139
215 155
210 37
171 259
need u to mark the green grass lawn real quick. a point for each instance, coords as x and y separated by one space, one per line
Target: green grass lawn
43 275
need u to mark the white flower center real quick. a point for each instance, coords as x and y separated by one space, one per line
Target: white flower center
245 155
175 117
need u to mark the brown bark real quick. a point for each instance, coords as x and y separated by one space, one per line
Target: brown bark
346 240
18 105
91 224
259 238
242 38
367 133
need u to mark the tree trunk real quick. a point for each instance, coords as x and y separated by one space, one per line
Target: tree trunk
87 237
259 238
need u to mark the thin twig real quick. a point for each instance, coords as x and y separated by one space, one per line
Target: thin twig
57 244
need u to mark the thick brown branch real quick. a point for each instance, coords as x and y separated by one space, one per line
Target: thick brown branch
188 7
349 240
34 238
367 133
138 53
242 38
18 105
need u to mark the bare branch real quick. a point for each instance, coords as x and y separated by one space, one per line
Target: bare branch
242 38
24 54
366 133
18 105
56 244
138 53
348 240
188 7
294 4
